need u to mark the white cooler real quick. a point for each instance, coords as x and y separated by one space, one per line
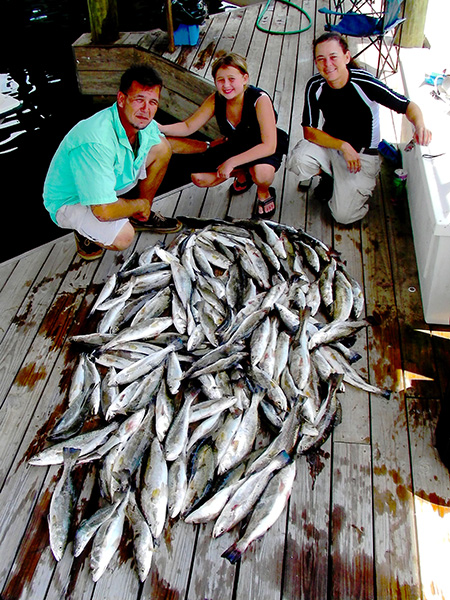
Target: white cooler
428 188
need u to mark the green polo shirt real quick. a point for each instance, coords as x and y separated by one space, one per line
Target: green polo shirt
95 161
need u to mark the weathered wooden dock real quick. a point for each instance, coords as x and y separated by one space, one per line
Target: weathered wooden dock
369 519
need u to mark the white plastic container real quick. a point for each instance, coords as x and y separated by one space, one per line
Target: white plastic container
429 205
428 189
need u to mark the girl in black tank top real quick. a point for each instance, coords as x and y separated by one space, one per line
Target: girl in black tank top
251 148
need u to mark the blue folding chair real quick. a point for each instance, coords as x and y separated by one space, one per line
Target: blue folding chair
379 27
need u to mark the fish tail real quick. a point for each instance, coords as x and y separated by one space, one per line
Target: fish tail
233 553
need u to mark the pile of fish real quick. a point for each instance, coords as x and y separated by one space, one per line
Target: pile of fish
215 364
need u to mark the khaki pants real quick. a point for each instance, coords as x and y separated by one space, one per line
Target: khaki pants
351 191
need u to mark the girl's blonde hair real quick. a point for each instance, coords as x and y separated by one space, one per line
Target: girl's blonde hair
229 59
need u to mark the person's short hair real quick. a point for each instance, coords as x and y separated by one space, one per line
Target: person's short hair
145 75
229 59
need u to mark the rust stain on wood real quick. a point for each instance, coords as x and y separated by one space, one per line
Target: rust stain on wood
353 578
307 568
40 439
34 543
29 375
439 504
316 461
204 56
59 319
385 502
160 589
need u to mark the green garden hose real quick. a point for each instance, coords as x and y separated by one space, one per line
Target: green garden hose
283 32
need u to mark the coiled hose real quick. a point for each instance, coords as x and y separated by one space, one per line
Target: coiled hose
283 32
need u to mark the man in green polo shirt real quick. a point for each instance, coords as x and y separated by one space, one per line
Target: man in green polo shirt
89 181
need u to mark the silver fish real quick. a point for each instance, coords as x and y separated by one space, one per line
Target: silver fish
154 307
164 411
267 362
343 297
311 256
176 438
248 325
281 354
201 478
154 489
106 291
74 417
300 360
326 284
109 390
61 505
179 314
205 410
85 442
146 364
177 485
333 331
88 527
152 281
110 303
285 440
121 436
246 496
204 428
78 379
212 508
340 365
146 330
244 437
107 540
266 512
142 538
225 434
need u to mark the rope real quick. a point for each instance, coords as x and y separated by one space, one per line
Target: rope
283 32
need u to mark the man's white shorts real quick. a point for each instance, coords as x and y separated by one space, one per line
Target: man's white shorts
82 219
351 191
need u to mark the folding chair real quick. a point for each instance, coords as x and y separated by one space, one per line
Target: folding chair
379 27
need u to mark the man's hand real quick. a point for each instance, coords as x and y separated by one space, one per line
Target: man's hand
143 212
351 157
123 208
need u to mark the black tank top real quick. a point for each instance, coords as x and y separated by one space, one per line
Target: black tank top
247 132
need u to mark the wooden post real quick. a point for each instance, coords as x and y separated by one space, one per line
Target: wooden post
413 28
104 21
169 19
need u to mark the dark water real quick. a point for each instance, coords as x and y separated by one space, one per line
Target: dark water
36 66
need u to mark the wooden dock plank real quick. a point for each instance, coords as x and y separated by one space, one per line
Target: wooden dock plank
397 572
418 375
352 567
221 574
209 46
306 563
33 343
355 426
17 279
431 498
261 568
